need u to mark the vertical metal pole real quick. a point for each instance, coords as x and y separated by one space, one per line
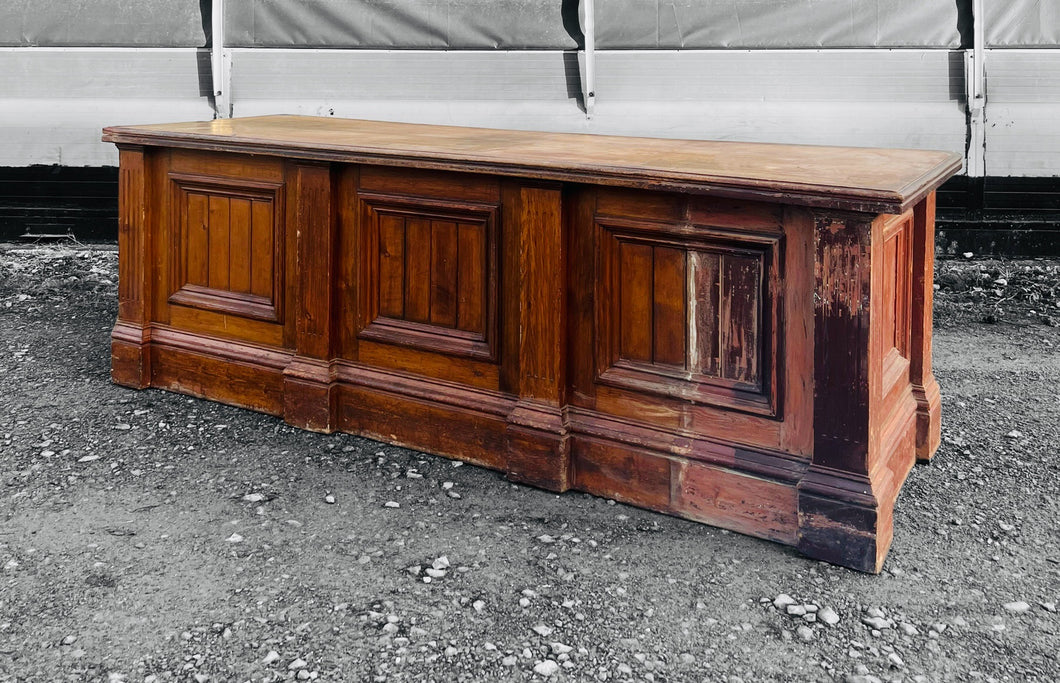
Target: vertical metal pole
975 82
589 84
220 62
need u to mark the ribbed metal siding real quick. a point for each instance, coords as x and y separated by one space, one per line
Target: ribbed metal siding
56 100
1023 113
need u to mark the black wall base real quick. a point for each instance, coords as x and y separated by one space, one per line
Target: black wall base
986 216
38 201
999 217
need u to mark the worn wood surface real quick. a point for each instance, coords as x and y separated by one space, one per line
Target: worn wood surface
838 177
758 365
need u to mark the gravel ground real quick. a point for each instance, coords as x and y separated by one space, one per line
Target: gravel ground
146 536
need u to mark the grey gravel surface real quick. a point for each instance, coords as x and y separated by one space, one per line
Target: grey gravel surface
147 536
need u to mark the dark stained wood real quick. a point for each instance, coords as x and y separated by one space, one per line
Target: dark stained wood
418 241
750 505
392 266
472 272
130 358
308 392
218 242
239 249
263 260
197 233
665 323
925 387
740 320
444 241
669 318
634 281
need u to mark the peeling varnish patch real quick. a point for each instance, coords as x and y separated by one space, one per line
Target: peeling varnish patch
839 273
693 319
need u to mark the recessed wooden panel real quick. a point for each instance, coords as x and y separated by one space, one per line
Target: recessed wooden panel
669 299
694 312
471 283
226 246
444 261
430 272
740 318
635 295
391 266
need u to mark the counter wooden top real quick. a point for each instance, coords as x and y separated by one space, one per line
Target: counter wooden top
852 178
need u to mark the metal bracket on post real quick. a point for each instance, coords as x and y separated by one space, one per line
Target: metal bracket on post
589 72
220 63
975 85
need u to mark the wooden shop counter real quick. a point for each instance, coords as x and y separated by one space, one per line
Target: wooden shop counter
735 333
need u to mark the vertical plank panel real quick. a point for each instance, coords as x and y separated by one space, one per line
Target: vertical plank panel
471 278
417 270
890 289
635 283
239 245
310 217
741 304
542 314
925 386
703 333
391 266
261 249
196 245
443 273
219 242
669 319
903 290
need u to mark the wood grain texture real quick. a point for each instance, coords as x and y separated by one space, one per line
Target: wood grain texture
838 177
130 362
925 387
662 330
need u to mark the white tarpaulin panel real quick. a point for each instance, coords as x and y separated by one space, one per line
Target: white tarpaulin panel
1023 23
466 24
777 23
103 23
544 24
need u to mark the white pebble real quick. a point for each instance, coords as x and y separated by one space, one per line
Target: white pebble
828 616
546 668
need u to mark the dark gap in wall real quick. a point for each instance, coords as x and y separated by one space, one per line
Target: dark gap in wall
997 216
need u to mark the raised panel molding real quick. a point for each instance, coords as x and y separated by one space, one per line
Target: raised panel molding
430 277
689 314
227 245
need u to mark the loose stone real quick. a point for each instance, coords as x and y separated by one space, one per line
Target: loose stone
828 616
546 668
878 623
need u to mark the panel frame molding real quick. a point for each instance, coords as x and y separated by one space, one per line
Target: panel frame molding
242 304
376 327
762 399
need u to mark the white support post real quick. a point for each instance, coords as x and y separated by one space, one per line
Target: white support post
589 82
975 83
220 63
